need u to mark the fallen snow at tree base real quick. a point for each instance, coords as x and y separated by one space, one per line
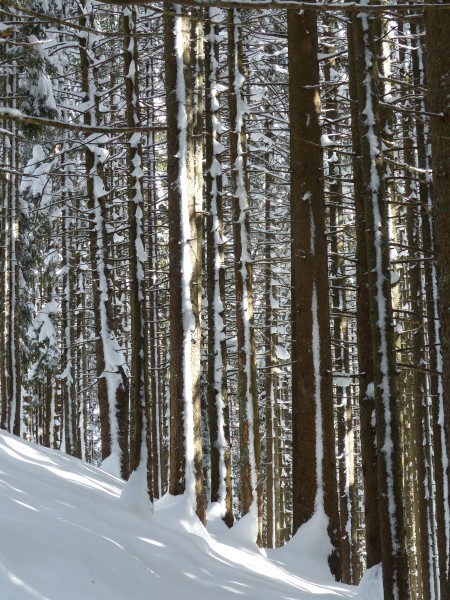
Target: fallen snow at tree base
70 531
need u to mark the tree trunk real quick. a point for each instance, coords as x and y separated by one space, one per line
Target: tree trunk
110 362
391 517
185 268
217 392
314 460
250 445
140 400
363 330
437 26
69 400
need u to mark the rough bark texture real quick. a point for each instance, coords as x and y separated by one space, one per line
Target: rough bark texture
178 369
391 516
364 334
102 297
217 392
71 433
140 387
314 461
437 25
250 446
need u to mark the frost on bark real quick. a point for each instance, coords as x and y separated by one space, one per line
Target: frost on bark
110 361
250 445
340 327
384 387
419 390
185 268
152 297
10 378
271 378
314 461
437 26
68 397
364 333
217 392
141 433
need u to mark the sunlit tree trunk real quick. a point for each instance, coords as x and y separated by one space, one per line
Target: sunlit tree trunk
185 268
217 392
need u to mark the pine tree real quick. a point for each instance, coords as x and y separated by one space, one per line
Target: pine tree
185 269
395 566
437 26
314 463
217 392
249 436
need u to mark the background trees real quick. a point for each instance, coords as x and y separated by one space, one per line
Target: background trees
218 249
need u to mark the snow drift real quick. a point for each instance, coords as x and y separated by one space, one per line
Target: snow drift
70 531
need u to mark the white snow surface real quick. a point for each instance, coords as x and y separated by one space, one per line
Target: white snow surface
70 531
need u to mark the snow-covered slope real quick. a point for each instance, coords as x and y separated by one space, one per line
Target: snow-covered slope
67 532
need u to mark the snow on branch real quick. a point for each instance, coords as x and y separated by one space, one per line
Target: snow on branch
16 115
291 4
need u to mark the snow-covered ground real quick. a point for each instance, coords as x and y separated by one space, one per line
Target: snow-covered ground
70 531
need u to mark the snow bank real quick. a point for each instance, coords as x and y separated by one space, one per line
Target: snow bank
70 531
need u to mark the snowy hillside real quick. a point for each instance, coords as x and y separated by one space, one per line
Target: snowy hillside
67 532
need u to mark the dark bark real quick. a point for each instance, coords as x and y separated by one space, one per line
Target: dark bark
103 313
249 436
314 460
437 26
140 399
366 32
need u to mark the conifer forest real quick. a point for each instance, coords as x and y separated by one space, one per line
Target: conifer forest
225 252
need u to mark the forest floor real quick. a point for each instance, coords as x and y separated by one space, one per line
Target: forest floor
70 531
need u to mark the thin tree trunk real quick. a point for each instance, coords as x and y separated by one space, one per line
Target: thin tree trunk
271 383
12 269
153 296
341 358
110 362
140 400
250 445
71 434
217 392
431 311
420 392
364 333
391 517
